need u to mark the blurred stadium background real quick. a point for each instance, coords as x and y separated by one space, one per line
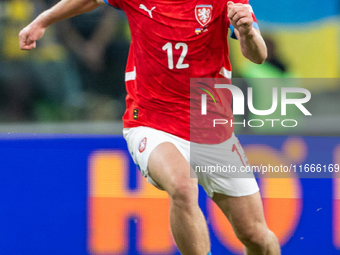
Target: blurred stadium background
81 194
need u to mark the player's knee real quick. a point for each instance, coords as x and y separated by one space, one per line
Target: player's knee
185 193
255 236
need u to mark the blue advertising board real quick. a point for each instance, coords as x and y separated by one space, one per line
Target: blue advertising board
72 194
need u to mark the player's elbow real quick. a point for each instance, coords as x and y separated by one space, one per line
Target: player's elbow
256 55
259 58
98 2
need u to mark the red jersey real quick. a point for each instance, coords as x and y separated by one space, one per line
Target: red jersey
173 41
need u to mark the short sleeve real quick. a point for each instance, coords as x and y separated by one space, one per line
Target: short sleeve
114 3
255 25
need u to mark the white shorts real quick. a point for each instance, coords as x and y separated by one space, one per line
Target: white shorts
142 141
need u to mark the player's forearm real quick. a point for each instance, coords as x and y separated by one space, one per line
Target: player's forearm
253 47
65 9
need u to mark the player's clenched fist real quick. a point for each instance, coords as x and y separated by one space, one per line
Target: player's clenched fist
240 17
29 35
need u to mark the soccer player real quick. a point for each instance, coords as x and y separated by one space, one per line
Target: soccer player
173 41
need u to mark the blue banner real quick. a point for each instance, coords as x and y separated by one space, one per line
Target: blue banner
293 12
82 195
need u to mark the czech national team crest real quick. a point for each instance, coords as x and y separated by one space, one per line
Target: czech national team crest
142 145
203 14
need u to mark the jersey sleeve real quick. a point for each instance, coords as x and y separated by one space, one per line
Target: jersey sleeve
255 25
115 3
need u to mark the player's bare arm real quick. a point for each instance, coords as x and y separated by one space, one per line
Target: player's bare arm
252 44
62 10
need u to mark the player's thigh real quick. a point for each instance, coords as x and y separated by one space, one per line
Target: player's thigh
170 170
245 215
162 158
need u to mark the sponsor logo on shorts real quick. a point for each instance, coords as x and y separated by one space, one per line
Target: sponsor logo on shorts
135 114
142 145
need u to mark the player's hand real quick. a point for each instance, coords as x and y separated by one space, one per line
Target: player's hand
30 35
240 17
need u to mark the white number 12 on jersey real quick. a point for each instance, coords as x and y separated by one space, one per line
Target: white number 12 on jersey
179 65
